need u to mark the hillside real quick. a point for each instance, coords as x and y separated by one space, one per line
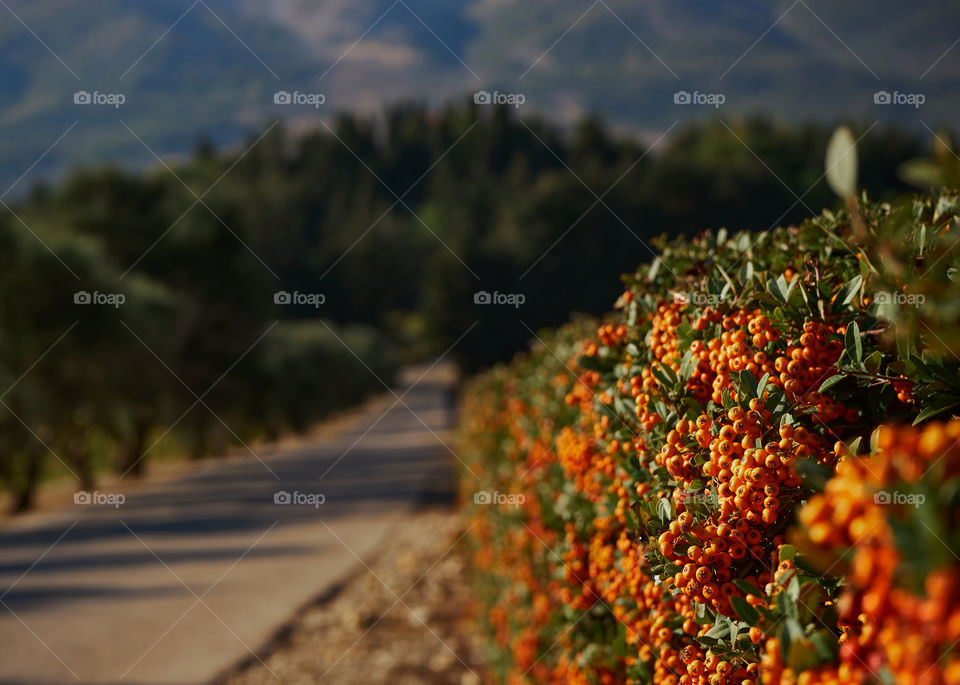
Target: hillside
191 69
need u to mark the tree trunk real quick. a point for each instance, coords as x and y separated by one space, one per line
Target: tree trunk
26 493
132 461
198 447
79 456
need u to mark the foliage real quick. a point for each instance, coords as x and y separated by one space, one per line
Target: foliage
486 203
86 387
489 202
663 460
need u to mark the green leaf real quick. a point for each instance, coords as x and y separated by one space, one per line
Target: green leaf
830 382
666 375
620 644
787 552
747 588
729 281
873 362
786 605
596 363
778 288
853 343
793 588
654 269
802 655
762 385
700 614
905 344
720 630
875 440
810 596
748 384
886 677
841 162
641 513
687 366
785 638
921 239
694 408
746 612
922 173
768 614
825 645
930 412
849 291
664 509
787 288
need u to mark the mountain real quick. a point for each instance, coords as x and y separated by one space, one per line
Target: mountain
191 69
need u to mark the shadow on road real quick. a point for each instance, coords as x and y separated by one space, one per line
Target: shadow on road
277 520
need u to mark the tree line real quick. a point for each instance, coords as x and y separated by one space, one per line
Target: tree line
267 285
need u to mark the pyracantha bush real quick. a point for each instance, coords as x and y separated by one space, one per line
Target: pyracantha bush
741 475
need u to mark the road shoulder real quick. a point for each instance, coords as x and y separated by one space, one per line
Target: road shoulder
403 617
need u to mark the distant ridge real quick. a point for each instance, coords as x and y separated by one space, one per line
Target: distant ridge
210 68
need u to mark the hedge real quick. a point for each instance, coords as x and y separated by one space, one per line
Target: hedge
747 473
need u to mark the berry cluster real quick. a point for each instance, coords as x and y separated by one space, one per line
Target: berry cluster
913 631
699 503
